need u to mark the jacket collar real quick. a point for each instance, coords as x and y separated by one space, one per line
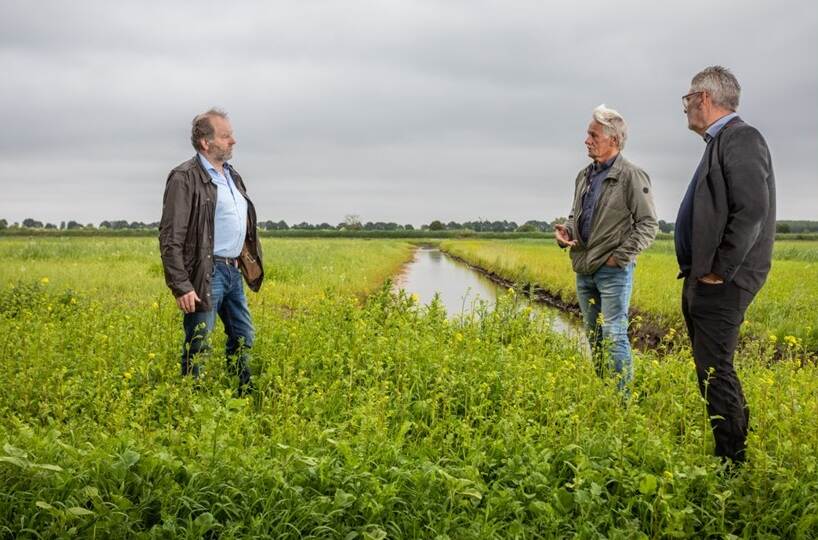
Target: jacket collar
615 168
204 176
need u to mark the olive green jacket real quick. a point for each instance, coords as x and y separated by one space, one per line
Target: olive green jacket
624 221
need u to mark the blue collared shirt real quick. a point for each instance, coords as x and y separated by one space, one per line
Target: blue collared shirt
683 234
597 172
230 223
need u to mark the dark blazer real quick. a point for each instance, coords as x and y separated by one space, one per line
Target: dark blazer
734 208
186 233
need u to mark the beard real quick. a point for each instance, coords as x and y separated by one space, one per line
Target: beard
222 154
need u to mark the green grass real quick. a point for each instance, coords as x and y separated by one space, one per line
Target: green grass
373 418
786 306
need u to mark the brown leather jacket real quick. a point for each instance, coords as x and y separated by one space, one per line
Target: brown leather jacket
186 233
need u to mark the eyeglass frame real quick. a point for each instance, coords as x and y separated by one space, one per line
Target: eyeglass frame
686 98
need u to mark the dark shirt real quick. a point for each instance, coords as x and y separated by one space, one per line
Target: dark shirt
683 233
597 172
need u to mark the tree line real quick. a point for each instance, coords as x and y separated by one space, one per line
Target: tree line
354 223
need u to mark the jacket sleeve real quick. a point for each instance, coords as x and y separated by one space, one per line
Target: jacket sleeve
746 170
640 203
176 208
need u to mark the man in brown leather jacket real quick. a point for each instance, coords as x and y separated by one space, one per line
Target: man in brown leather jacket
208 241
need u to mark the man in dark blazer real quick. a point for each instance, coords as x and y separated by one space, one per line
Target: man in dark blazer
724 241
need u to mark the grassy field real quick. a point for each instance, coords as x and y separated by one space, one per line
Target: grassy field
786 306
374 417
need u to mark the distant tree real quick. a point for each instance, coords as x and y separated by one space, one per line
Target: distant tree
665 227
102 224
325 226
409 227
73 225
528 226
50 226
4 224
62 225
352 222
436 225
32 223
90 226
782 228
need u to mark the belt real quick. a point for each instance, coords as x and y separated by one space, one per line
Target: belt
230 261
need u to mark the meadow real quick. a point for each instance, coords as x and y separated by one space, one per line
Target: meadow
785 311
375 417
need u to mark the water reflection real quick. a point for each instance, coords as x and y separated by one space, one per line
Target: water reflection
461 288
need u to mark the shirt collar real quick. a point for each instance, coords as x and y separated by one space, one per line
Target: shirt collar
209 166
605 165
716 126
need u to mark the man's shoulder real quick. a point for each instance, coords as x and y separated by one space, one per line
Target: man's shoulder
628 169
186 166
738 132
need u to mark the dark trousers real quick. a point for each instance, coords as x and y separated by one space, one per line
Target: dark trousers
229 302
713 314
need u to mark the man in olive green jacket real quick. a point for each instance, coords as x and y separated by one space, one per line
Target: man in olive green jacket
613 219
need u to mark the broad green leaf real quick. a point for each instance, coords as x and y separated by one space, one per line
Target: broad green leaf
648 484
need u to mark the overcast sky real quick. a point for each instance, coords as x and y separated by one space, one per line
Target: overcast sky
394 111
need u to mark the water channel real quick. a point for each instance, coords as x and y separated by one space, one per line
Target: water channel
461 288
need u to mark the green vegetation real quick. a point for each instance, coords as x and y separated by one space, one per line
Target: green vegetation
374 417
784 307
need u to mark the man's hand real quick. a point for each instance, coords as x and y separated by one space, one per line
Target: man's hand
563 236
187 302
711 279
612 262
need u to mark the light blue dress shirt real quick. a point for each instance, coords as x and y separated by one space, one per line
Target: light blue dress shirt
231 213
716 126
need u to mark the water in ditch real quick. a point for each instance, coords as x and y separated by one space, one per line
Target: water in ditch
461 289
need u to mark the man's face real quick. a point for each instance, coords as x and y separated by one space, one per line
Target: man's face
221 147
694 108
601 146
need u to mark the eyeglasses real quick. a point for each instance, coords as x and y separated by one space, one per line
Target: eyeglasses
686 99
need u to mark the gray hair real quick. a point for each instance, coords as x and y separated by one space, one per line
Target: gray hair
720 83
613 123
202 127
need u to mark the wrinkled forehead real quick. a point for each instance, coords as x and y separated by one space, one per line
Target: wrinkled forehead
221 125
596 128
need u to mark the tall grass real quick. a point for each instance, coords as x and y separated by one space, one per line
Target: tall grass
786 306
373 418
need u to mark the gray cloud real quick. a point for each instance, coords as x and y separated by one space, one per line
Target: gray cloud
404 111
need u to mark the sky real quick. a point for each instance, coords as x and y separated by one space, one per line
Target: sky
392 111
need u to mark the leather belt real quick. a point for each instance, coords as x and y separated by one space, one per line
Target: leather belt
230 261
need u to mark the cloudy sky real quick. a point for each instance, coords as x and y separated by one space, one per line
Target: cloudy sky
395 111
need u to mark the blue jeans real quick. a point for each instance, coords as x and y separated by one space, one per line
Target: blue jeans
228 300
604 297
